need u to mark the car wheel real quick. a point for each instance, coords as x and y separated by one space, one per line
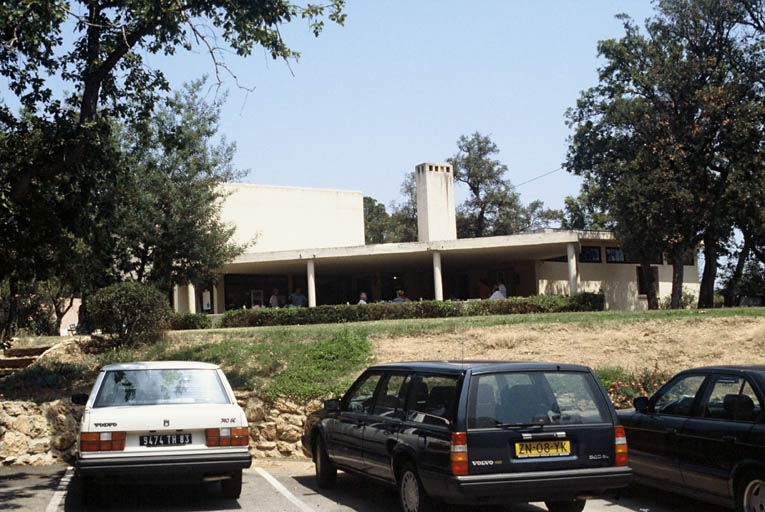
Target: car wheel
232 487
410 491
565 506
326 472
750 493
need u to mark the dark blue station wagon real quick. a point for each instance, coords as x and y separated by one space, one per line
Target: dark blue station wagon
474 432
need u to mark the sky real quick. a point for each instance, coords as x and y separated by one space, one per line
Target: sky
401 81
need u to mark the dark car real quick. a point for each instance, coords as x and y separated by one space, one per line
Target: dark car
474 433
703 435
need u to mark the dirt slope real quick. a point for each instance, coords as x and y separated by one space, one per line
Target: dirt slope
669 345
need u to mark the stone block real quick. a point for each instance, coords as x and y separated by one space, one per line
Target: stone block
13 444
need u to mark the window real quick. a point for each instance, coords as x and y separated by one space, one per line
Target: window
618 255
642 285
731 397
432 400
152 387
520 398
360 399
677 399
392 395
590 254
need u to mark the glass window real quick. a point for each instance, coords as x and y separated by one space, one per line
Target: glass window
152 387
590 254
392 396
742 409
615 255
432 400
360 399
677 399
521 398
724 389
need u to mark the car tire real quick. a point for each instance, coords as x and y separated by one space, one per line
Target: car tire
326 472
411 494
750 492
565 506
232 487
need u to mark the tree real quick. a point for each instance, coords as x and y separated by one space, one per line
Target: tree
673 117
56 155
403 217
167 228
376 222
585 211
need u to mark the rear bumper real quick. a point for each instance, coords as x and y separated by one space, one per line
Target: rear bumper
151 469
524 487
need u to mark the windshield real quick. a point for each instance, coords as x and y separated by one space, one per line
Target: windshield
152 387
535 398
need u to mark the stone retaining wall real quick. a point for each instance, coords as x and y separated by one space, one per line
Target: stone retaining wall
46 433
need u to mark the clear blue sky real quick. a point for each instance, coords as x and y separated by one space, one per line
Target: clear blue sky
401 81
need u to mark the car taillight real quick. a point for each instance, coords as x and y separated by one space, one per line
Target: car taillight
620 446
459 453
227 436
102 441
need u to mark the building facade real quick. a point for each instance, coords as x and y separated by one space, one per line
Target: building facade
313 239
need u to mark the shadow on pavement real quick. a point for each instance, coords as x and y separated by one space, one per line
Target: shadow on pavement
14 487
151 497
647 499
360 494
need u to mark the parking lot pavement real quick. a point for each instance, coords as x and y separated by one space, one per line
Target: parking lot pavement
278 486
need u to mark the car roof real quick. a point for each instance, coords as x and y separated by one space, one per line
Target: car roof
757 369
477 366
161 365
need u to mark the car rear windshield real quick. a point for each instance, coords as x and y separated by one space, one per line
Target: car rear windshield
152 387
535 398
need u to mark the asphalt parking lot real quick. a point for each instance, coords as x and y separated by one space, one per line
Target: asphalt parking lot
287 486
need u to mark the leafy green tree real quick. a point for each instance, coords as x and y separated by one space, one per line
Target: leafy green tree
493 207
585 212
167 228
672 119
376 222
403 217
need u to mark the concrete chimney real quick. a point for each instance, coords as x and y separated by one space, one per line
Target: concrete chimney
436 212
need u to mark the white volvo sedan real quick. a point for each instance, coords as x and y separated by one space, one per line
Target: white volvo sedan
151 422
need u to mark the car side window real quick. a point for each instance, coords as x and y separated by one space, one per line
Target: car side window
677 399
432 400
361 397
392 395
742 410
721 397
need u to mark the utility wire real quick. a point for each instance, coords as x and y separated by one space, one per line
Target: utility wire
540 176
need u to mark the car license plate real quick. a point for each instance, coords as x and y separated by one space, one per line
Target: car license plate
542 449
165 439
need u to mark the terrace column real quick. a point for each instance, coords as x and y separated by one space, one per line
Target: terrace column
176 299
438 286
311 285
573 268
192 298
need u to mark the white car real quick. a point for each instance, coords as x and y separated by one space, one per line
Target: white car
157 421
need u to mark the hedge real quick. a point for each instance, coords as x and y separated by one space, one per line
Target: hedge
188 321
583 301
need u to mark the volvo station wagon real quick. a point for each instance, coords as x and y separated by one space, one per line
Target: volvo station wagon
474 433
148 423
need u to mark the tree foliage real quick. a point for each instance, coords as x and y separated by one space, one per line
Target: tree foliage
675 119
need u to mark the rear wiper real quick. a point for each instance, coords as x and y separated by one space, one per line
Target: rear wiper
520 425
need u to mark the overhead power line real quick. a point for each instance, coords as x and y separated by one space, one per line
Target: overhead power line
540 176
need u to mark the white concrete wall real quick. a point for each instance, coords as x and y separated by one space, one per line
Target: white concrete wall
288 218
618 281
436 211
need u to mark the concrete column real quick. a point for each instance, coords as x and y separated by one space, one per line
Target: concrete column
176 299
192 298
438 285
311 285
573 268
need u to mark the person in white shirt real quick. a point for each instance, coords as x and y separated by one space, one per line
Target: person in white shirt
363 298
496 294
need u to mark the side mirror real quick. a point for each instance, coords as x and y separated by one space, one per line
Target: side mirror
332 405
641 404
80 399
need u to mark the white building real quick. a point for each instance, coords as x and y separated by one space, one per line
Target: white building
313 239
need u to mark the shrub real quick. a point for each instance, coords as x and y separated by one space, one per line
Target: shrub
411 310
688 300
131 311
628 387
188 321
